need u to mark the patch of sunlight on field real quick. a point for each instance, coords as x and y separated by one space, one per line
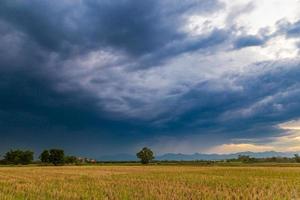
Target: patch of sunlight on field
149 182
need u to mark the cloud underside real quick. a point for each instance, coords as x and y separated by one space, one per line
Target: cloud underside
114 76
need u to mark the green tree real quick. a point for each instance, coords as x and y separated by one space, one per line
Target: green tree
70 159
12 157
26 157
45 156
57 156
145 155
297 157
18 157
244 158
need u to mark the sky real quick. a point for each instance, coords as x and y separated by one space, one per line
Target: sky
98 77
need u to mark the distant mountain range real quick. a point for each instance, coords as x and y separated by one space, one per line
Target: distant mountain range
198 156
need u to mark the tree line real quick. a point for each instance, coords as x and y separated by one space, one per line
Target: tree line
58 157
52 156
248 159
146 155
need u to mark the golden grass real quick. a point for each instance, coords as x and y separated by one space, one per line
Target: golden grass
149 182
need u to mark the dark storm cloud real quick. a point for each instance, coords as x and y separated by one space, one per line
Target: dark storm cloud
248 41
42 21
291 30
141 27
35 30
137 27
205 43
294 30
34 115
265 97
38 103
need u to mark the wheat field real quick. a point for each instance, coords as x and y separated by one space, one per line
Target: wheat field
148 182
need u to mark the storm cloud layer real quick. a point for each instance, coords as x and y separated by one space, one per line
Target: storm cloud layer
100 77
